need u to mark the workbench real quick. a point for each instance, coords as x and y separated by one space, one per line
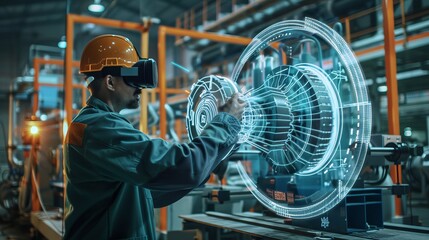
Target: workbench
216 225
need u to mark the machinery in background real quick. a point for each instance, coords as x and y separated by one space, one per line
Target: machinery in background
416 173
375 173
33 174
306 131
367 204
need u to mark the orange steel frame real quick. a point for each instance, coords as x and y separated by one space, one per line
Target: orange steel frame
71 20
163 32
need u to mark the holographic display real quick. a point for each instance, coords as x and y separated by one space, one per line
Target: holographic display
307 124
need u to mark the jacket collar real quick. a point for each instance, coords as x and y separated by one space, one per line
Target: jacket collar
99 104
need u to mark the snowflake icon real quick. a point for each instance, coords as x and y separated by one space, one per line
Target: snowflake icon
324 222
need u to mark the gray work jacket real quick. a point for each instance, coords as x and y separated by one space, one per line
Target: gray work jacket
111 169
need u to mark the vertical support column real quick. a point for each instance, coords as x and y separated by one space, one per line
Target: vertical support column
144 95
162 81
162 100
392 87
68 80
347 23
68 84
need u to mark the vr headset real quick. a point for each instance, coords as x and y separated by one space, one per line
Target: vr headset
143 74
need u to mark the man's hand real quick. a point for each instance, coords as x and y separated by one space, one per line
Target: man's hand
234 106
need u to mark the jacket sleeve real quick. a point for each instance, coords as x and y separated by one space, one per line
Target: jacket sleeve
165 198
118 152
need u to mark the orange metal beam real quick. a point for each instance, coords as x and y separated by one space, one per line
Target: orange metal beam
162 35
392 86
204 35
144 43
162 100
347 23
68 78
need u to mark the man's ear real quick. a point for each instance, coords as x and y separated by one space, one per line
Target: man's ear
109 82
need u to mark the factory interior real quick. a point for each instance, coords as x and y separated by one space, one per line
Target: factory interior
334 138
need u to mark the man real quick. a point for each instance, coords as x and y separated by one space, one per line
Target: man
112 169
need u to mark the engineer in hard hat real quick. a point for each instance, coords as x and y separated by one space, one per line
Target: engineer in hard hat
115 174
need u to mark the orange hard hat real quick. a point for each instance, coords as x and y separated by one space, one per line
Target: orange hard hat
108 51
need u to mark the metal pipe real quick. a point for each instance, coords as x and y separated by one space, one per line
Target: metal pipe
380 151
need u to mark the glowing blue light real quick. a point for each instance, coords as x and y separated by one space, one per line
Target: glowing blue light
96 7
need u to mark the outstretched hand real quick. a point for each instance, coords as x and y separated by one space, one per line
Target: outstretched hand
234 106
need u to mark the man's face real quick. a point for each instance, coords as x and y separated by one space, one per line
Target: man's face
134 101
128 96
